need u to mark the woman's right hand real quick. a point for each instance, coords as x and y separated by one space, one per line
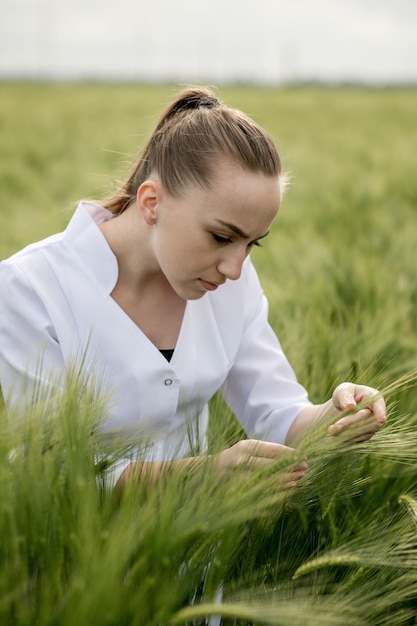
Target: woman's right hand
253 454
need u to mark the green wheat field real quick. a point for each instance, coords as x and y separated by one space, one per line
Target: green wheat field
339 269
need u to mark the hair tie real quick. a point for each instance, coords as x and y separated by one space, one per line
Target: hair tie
194 101
208 102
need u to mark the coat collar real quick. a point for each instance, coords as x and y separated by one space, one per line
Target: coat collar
87 240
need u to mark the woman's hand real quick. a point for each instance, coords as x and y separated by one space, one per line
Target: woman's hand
363 411
248 454
361 423
253 454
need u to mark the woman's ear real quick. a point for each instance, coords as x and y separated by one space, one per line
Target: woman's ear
147 198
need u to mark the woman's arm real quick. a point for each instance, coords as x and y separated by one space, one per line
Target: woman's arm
366 413
248 454
266 397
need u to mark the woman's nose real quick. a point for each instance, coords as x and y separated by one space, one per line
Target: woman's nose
231 264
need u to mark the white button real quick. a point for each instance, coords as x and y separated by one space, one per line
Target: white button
168 382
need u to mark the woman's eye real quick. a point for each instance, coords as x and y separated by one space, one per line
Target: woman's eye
224 240
220 239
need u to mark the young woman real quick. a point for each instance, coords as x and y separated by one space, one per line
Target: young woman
155 288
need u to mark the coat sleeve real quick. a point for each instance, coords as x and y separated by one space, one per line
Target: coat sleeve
261 388
30 355
32 365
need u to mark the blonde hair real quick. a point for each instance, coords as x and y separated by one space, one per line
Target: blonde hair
194 131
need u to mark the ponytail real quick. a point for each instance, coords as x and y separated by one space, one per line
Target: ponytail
194 131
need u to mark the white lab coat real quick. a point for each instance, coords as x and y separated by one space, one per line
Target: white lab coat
55 301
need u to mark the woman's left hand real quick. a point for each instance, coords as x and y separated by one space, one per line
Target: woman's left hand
360 424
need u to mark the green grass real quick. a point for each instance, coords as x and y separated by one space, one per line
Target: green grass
339 271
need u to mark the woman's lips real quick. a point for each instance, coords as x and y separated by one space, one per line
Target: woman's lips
209 286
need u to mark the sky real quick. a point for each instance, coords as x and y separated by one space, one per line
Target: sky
264 41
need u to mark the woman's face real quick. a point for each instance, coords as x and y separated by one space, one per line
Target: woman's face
201 238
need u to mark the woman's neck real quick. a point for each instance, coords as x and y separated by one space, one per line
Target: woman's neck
142 290
128 237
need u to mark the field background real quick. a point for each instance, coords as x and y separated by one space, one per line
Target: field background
339 269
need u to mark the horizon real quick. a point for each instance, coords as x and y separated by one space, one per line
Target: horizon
269 42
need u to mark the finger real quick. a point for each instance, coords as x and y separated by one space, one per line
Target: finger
379 410
363 419
290 479
298 475
359 433
350 420
360 438
293 480
362 393
344 396
348 437
361 425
